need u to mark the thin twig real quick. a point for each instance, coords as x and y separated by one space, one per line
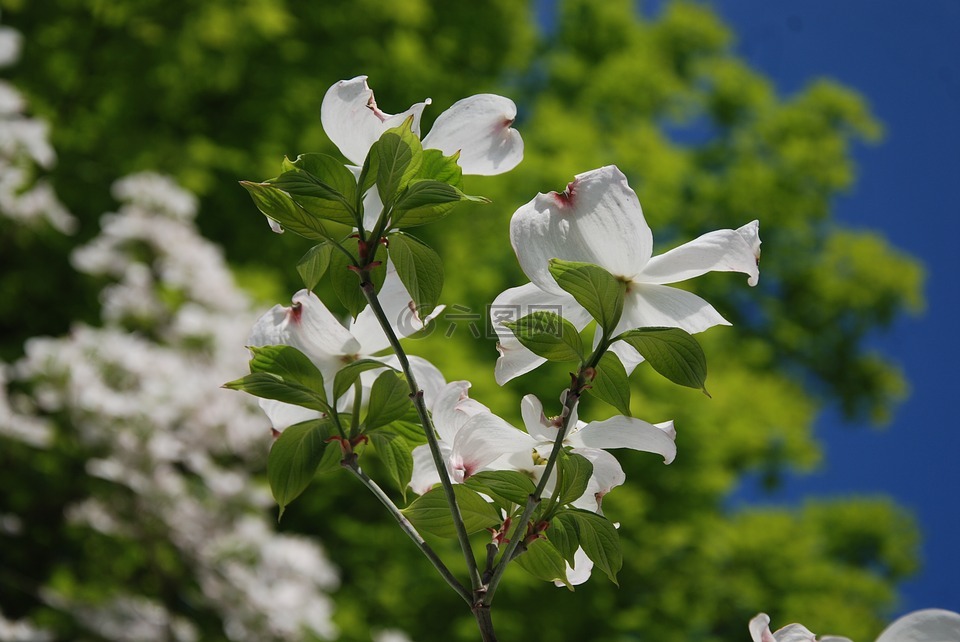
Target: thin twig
410 530
416 395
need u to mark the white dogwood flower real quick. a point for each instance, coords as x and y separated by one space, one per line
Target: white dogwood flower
310 327
478 127
598 220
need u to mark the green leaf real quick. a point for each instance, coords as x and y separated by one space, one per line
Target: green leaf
370 169
431 514
270 386
598 291
423 192
313 265
507 485
331 460
573 475
332 172
420 269
399 157
319 197
395 453
348 374
611 383
562 533
425 201
600 541
346 282
280 207
544 562
672 352
411 431
438 167
294 459
548 335
291 365
389 400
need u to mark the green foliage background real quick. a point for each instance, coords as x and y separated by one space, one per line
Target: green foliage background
219 91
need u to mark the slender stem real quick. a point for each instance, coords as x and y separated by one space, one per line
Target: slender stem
482 613
416 395
409 529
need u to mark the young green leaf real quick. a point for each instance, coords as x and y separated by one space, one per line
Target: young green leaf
420 270
278 206
599 292
600 541
291 365
294 459
313 265
395 453
348 374
610 384
425 201
562 533
316 196
389 400
509 486
573 475
672 352
399 157
371 168
408 428
544 562
330 461
271 386
437 167
430 513
330 171
548 335
344 279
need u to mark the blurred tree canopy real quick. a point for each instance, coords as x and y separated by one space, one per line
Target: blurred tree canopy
219 91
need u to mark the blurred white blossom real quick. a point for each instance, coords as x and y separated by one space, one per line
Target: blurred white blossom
143 393
20 631
24 150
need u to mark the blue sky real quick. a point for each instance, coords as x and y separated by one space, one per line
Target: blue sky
905 58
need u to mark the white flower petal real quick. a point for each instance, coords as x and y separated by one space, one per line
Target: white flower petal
429 378
352 120
484 439
626 432
580 571
306 325
648 305
452 408
425 476
514 360
607 475
516 303
928 625
628 356
719 251
794 633
479 128
283 415
760 628
597 220
535 421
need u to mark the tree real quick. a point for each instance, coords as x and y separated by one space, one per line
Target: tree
215 93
